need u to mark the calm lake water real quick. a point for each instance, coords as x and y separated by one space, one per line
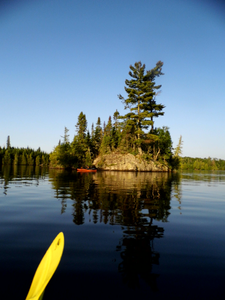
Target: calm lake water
127 235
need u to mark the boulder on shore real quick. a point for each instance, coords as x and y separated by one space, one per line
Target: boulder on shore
127 162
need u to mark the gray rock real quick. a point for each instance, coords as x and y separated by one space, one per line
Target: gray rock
127 162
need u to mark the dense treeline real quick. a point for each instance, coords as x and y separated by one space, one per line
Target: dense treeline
22 156
132 133
190 163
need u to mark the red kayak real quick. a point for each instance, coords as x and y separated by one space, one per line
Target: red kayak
87 170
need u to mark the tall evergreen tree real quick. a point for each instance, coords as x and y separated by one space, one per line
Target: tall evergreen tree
97 137
92 130
106 145
66 136
141 90
81 126
79 144
115 118
8 145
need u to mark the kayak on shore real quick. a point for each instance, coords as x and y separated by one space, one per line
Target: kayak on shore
87 170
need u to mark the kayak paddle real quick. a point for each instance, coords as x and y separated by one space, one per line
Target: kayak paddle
46 268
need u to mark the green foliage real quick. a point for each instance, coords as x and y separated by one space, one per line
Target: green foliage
163 144
106 145
6 158
211 164
97 137
30 160
24 159
132 133
81 126
175 160
66 136
16 159
37 160
141 90
22 156
88 159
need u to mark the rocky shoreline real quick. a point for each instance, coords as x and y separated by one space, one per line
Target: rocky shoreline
128 162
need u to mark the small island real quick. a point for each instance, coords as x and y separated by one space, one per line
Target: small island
127 142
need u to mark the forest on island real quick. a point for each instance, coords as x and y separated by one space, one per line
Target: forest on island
133 132
22 156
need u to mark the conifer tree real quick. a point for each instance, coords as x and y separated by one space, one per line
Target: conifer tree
8 145
106 144
92 130
79 145
141 90
97 138
88 159
115 118
66 136
81 126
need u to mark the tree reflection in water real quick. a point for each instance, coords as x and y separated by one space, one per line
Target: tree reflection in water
20 175
131 200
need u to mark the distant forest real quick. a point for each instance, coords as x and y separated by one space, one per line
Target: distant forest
30 157
22 156
190 163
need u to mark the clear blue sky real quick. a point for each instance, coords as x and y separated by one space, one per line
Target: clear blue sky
61 57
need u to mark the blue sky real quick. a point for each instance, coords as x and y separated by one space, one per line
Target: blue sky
61 57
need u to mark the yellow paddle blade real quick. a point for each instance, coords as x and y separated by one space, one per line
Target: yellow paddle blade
46 268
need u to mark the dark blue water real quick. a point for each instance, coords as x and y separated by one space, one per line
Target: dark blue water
127 235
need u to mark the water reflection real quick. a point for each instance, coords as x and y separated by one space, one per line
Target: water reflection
131 200
20 176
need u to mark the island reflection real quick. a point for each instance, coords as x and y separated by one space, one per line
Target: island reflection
126 199
131 200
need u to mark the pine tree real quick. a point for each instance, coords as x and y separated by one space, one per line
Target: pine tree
81 126
79 145
92 130
178 149
8 145
115 118
141 90
88 159
66 136
106 145
97 137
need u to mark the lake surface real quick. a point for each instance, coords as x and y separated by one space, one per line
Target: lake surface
127 235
